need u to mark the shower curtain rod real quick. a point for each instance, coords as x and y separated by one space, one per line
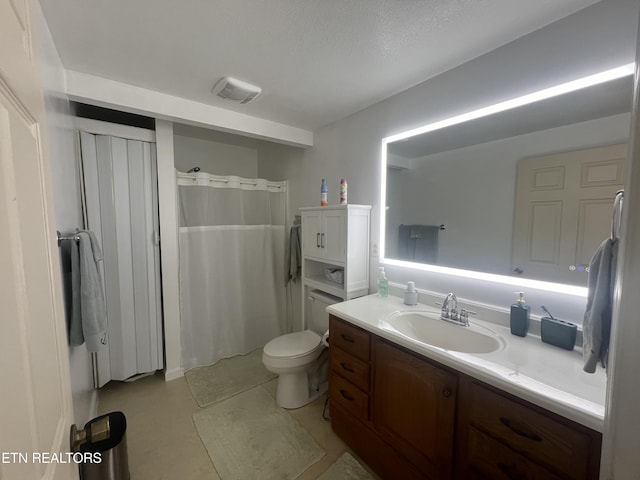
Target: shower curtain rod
194 176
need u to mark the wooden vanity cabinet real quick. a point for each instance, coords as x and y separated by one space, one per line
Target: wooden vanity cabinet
411 418
394 408
349 366
413 408
500 436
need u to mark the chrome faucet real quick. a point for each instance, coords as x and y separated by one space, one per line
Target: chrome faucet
450 307
450 312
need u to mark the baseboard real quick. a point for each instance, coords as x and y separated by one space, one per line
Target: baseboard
173 374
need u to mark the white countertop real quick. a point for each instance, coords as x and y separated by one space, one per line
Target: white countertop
542 374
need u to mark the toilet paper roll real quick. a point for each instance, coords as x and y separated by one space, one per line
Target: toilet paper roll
325 338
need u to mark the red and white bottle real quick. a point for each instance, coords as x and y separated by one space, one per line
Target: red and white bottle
343 192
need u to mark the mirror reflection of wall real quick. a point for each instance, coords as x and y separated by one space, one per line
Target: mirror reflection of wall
464 177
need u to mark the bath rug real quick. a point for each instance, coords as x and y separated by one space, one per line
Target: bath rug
250 437
346 468
227 378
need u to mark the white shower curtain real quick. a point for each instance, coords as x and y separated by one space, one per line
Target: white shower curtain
232 243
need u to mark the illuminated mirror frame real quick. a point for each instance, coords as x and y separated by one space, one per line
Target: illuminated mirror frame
554 91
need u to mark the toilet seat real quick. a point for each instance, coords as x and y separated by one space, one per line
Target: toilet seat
293 345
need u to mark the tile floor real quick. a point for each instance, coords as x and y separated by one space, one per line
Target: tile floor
163 443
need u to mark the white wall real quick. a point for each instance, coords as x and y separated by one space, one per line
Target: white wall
592 40
169 254
66 193
281 162
215 157
472 191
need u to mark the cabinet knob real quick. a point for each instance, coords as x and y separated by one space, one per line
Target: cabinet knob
346 396
347 367
347 338
511 471
519 429
446 392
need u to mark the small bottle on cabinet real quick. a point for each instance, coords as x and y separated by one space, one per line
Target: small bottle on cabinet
343 192
323 193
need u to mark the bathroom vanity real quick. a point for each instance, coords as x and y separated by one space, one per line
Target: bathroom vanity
414 411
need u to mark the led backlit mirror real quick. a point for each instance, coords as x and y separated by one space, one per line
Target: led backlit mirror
523 189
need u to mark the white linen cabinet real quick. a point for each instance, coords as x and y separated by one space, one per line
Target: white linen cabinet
335 250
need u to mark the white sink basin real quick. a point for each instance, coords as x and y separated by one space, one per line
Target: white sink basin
428 328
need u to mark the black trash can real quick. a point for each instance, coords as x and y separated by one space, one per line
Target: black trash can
111 451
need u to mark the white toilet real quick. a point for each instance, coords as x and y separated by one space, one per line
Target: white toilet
300 358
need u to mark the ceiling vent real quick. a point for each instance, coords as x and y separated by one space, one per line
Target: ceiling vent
236 90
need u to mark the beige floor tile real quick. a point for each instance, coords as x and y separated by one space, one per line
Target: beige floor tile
163 443
161 440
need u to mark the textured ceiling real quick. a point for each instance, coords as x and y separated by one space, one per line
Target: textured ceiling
317 61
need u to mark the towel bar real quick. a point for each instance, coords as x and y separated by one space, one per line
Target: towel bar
617 214
61 237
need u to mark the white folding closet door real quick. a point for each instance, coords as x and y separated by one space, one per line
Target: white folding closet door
122 209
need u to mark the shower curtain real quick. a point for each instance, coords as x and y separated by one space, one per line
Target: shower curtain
232 244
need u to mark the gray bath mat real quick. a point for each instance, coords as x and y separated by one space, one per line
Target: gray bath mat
250 437
346 468
227 378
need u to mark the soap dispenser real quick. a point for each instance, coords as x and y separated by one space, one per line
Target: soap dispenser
383 283
410 294
520 316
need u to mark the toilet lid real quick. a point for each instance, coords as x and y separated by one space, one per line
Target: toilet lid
292 344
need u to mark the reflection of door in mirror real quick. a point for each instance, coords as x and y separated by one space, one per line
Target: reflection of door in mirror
563 211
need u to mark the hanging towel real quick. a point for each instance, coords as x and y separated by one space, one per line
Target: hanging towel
426 246
294 256
418 243
88 317
597 318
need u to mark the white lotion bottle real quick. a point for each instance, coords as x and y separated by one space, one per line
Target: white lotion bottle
410 294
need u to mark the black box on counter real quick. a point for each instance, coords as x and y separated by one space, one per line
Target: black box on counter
558 332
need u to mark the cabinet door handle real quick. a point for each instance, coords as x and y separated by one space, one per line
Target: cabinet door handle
317 240
346 395
347 338
510 472
446 392
520 430
347 367
322 240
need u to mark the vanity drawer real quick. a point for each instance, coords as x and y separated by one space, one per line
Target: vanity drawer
490 459
537 436
354 370
349 397
349 338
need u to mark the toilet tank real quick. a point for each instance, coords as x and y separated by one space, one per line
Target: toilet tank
317 317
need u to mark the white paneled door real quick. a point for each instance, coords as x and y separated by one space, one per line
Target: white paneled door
564 204
122 209
35 405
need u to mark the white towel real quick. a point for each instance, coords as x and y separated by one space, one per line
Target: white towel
596 329
88 316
